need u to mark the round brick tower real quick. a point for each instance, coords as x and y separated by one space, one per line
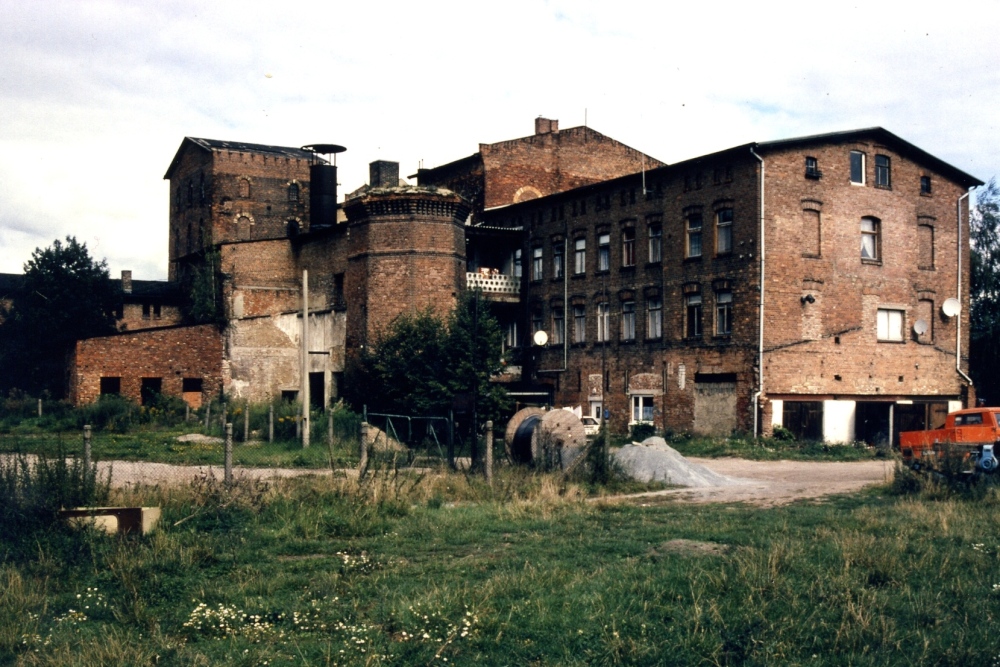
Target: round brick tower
406 253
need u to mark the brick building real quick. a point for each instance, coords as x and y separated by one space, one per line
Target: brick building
818 283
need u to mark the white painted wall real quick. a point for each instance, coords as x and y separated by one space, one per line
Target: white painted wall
838 421
777 413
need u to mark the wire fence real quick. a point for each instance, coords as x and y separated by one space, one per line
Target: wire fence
169 441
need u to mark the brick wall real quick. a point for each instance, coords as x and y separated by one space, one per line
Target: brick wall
171 354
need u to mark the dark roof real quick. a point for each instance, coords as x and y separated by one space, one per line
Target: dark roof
240 147
886 137
460 162
151 289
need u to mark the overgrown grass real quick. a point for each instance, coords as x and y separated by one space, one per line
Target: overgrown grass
772 449
416 569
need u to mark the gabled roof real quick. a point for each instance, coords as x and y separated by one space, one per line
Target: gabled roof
885 137
238 146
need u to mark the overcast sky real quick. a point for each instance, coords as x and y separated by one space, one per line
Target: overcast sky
96 96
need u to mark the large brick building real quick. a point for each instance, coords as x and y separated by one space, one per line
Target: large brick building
818 283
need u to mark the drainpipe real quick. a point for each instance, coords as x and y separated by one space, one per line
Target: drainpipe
958 335
760 305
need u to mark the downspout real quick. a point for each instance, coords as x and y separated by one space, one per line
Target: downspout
958 335
760 307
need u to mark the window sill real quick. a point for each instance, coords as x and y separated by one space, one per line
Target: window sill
658 339
696 258
578 276
926 268
814 175
602 272
873 262
883 187
926 194
581 344
556 278
891 342
628 341
724 255
807 255
654 265
629 268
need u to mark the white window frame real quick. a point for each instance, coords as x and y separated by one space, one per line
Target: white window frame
694 234
628 247
724 230
537 263
693 313
860 156
655 243
654 318
603 322
628 320
723 313
558 259
558 326
641 405
579 324
890 325
604 252
871 235
579 256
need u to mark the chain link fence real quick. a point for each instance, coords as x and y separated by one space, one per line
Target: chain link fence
169 441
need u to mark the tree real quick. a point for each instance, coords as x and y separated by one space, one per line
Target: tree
421 362
65 295
984 315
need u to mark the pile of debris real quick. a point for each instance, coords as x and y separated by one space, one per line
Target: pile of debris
653 460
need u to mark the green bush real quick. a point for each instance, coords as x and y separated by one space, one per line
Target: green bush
108 413
783 434
640 432
33 488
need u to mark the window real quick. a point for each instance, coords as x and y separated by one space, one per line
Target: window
189 385
558 259
810 233
857 167
628 247
870 239
693 316
515 263
642 409
723 313
510 335
244 187
654 318
925 185
579 256
111 385
603 322
655 243
536 322
558 326
293 193
604 252
882 174
628 320
537 270
889 324
694 235
579 324
724 231
925 247
812 168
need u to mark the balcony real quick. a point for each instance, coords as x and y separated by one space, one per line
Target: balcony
496 286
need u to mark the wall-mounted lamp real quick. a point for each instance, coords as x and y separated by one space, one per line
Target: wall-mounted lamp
808 298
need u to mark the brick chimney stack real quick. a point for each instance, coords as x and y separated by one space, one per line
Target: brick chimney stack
127 282
546 126
383 174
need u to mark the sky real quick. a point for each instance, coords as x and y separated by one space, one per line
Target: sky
97 95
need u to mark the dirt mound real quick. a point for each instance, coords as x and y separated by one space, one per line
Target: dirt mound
654 460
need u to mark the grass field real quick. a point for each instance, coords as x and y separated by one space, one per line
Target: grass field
441 569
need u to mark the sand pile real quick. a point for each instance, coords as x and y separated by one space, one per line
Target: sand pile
655 460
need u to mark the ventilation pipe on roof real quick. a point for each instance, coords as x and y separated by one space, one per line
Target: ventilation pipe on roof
760 306
323 185
958 335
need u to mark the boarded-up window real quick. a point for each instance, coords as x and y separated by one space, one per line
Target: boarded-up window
925 244
810 233
923 328
244 187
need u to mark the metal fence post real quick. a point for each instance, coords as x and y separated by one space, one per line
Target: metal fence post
363 464
270 423
86 448
451 439
229 454
489 452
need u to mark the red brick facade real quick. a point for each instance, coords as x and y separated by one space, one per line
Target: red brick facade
172 356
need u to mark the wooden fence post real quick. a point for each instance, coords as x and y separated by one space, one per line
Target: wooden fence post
489 452
363 464
229 454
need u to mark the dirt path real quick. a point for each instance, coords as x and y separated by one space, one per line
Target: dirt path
771 483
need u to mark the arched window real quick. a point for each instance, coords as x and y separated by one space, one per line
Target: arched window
293 193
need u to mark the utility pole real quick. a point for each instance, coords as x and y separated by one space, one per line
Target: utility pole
304 381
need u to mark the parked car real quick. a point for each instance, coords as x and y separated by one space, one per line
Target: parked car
590 425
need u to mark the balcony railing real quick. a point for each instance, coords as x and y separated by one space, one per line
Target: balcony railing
495 284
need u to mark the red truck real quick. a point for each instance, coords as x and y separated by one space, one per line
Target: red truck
973 434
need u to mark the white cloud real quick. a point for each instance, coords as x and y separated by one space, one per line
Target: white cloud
98 94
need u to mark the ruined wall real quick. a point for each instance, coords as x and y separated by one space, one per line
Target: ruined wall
171 354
